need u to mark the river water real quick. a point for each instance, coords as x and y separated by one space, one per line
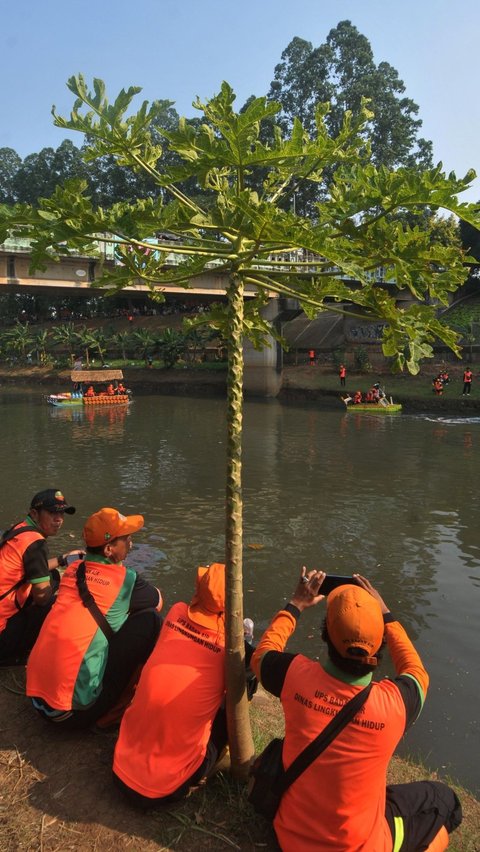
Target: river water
395 498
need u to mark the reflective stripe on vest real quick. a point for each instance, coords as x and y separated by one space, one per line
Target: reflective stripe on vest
399 833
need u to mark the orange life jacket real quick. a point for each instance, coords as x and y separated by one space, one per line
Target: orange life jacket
164 733
14 589
68 660
355 763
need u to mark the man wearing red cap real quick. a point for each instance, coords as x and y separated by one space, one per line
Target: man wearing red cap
341 802
175 728
28 576
103 626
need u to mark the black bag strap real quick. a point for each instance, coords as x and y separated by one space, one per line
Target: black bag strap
308 755
12 532
7 536
89 602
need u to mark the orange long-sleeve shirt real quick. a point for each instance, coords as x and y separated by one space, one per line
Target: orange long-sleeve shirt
338 803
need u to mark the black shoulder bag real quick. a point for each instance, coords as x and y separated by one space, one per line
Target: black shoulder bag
269 780
89 602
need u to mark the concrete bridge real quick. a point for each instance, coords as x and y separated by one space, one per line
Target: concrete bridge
263 370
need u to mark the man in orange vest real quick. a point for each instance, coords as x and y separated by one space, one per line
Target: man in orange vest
311 357
175 729
28 577
467 381
341 802
103 627
343 374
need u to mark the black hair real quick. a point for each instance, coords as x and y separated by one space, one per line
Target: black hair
98 549
347 665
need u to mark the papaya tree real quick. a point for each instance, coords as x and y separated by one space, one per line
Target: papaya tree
256 240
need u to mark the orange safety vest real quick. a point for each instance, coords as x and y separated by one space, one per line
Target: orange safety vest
164 733
343 372
67 663
14 592
467 376
348 812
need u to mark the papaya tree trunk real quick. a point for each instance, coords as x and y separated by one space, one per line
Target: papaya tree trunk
239 731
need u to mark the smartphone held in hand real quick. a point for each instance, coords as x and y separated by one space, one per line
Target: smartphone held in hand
333 581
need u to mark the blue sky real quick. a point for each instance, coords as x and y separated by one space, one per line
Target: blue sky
183 48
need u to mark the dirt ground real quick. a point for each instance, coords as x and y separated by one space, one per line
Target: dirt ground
56 792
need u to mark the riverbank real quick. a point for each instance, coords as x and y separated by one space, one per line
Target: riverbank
300 384
56 792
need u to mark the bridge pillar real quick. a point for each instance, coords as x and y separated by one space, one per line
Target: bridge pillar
262 374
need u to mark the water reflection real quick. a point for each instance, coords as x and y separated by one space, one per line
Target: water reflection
394 498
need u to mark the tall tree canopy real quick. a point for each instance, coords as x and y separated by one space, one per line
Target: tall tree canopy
10 162
342 71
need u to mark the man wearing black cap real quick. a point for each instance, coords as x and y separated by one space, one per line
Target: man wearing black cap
27 575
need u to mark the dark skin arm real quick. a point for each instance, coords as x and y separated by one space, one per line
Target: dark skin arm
41 593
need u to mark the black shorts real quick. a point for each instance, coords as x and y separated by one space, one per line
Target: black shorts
417 812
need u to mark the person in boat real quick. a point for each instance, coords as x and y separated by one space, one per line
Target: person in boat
174 731
110 390
28 575
120 389
102 629
357 397
341 800
90 391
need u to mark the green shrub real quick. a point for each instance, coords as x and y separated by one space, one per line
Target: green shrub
361 360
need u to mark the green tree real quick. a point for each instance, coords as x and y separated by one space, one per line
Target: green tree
92 340
41 341
40 173
144 343
19 339
66 335
171 346
254 239
10 162
122 339
470 238
342 71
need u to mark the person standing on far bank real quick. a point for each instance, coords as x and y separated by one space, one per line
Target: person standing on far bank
467 381
341 801
342 372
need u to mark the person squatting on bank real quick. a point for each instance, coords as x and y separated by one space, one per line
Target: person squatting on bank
341 802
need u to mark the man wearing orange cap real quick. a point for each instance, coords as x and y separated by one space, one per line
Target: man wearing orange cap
103 626
175 728
341 801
